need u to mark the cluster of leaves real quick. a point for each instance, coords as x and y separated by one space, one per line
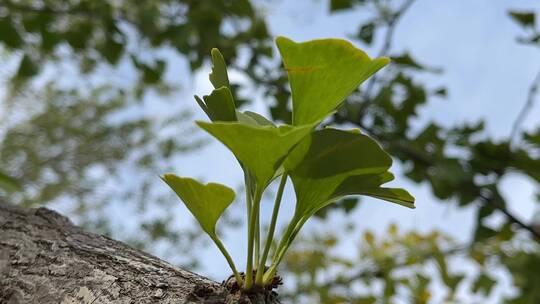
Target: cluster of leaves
324 164
399 267
378 267
99 32
527 19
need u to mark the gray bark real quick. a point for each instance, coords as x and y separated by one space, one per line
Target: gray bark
44 258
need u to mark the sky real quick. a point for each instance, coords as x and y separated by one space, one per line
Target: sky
487 75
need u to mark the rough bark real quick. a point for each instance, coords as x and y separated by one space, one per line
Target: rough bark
44 258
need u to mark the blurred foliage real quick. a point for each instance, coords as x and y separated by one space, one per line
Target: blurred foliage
410 267
81 84
67 142
8 184
108 32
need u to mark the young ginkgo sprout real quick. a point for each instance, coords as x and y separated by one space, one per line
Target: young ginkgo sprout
323 164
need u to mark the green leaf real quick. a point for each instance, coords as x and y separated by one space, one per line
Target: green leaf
322 73
533 138
27 68
366 32
112 50
407 61
8 183
533 39
152 75
442 92
78 34
36 22
255 118
260 149
320 167
394 195
484 284
323 161
370 185
366 300
482 232
346 205
205 202
218 76
219 105
525 19
336 5
10 35
246 119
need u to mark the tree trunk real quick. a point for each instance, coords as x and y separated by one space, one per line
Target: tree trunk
44 258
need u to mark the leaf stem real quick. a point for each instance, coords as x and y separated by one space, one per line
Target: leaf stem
249 202
229 259
281 245
251 237
292 230
271 229
257 239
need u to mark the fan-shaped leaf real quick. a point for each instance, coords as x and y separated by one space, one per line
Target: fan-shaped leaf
323 161
322 73
218 76
219 105
259 119
370 185
260 149
205 202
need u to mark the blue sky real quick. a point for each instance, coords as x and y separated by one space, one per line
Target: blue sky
487 75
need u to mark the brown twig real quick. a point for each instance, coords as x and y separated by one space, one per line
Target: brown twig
531 94
489 200
391 24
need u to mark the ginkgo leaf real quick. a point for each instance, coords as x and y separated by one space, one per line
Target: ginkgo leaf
260 149
323 161
370 185
219 105
253 118
328 165
205 202
218 75
365 181
257 119
350 184
394 195
261 120
322 73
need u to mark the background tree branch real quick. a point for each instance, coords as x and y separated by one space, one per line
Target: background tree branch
531 95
